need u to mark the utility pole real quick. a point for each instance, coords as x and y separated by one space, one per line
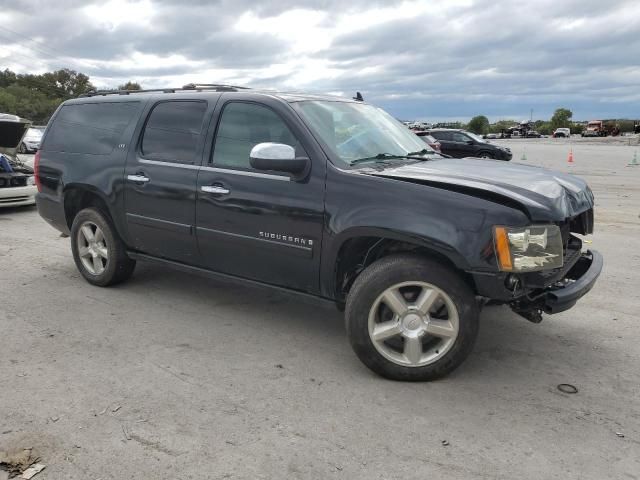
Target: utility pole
531 118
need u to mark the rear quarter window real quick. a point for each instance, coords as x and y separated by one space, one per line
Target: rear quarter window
90 128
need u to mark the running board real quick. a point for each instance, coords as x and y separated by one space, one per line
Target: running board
230 278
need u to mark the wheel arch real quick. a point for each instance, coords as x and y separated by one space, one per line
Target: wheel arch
78 196
357 248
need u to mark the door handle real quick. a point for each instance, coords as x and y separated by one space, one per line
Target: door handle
219 189
138 178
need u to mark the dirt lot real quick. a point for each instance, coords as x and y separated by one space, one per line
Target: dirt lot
173 376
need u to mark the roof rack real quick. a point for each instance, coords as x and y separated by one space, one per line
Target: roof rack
216 87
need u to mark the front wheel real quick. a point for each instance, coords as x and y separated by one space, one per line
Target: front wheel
410 318
22 148
485 155
98 251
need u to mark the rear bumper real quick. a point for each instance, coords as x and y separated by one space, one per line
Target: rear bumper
580 279
52 210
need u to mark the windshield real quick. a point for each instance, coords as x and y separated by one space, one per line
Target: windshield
356 131
34 133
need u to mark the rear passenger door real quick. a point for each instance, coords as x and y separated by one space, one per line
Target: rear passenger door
160 179
255 224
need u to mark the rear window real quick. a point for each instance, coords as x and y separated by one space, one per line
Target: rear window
172 131
90 128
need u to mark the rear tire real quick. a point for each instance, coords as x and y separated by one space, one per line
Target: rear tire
401 341
99 253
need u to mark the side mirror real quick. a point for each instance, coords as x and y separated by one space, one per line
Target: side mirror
278 157
470 142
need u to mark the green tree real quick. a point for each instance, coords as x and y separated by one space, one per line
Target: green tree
561 118
130 86
479 124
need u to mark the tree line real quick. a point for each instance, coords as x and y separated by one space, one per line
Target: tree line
562 117
36 97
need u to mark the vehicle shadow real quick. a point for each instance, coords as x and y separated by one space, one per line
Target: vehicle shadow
508 347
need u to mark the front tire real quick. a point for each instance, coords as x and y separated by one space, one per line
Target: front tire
99 253
485 155
22 148
412 319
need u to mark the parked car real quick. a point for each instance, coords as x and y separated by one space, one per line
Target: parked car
561 133
533 134
462 144
490 136
31 141
429 140
324 197
17 182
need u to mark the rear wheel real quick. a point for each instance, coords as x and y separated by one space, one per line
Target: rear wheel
409 318
98 251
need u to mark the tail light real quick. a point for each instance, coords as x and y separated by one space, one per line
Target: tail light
36 170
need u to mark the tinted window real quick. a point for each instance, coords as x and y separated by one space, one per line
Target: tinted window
243 126
459 137
441 135
172 131
91 128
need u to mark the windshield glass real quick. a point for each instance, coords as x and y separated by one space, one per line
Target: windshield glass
34 133
354 131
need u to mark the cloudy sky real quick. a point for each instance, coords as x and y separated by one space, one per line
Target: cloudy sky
427 59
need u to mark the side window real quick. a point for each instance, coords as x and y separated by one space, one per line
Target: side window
172 131
244 125
459 137
90 128
441 135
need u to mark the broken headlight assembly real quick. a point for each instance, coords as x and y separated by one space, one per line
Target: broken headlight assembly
528 249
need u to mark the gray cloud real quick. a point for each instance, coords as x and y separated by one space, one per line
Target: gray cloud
496 58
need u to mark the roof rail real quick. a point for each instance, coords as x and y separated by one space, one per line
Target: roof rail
188 87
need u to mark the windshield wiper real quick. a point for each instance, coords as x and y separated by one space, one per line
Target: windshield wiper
389 156
424 151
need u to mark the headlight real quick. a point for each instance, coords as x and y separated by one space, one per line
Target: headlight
31 180
528 249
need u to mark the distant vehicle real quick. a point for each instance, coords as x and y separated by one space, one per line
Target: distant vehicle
598 128
31 141
17 182
491 136
462 144
429 140
533 134
562 133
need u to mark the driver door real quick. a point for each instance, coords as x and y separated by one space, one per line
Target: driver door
254 224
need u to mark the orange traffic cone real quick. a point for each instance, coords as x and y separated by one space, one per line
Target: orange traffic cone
570 158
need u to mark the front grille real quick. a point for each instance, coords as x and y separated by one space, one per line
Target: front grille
11 182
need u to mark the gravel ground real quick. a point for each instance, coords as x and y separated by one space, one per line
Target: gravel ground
172 376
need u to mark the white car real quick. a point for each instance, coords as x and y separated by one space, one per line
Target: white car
17 183
31 141
561 133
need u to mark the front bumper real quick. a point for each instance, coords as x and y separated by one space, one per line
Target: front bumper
18 196
579 280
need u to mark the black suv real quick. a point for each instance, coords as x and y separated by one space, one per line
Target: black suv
462 144
325 197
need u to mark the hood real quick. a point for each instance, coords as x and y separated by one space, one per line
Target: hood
543 195
12 129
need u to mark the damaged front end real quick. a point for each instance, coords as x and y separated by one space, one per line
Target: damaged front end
17 182
556 290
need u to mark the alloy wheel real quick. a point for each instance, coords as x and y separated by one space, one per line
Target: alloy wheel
92 248
413 324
